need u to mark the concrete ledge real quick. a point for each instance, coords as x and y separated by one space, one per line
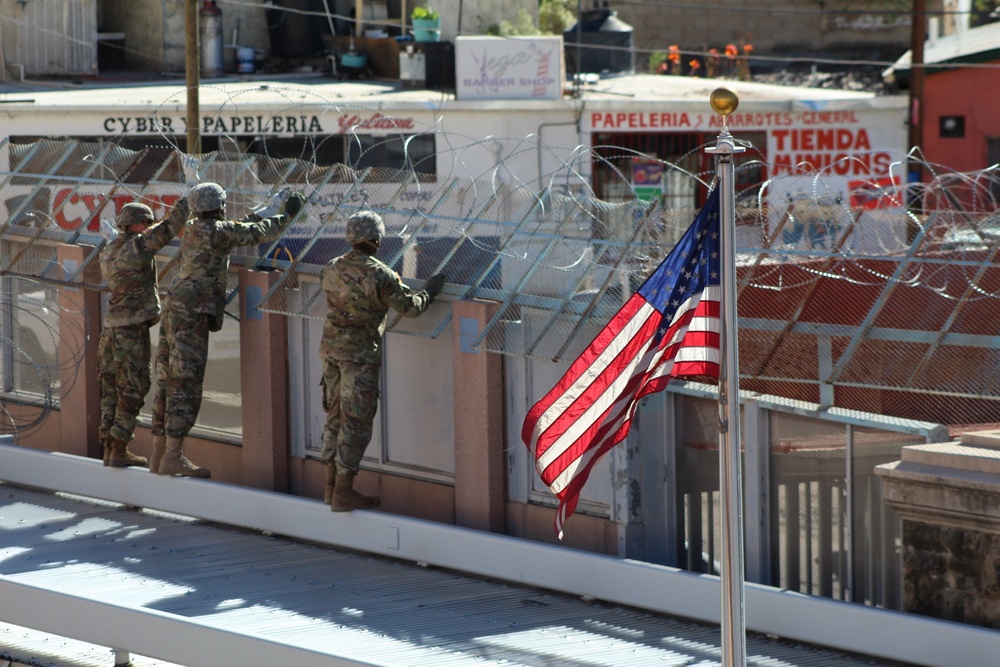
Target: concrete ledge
953 455
851 627
981 439
941 495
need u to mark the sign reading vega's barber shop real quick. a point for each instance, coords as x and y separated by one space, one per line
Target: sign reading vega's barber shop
508 68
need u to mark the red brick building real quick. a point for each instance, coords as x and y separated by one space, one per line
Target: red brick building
961 129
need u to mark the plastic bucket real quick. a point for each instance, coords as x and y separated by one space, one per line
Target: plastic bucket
426 30
245 60
353 60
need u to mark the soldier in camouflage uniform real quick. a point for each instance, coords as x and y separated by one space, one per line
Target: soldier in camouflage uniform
128 267
360 290
194 308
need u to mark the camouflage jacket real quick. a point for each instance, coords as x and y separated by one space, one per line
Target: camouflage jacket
200 285
360 290
129 268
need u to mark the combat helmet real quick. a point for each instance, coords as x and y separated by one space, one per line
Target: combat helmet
206 197
364 226
134 213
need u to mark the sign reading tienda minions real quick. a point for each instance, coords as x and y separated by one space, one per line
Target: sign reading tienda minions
508 68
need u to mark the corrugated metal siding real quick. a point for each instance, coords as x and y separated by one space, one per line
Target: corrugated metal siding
367 608
57 37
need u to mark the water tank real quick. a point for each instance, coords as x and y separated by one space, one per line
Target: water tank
297 33
600 42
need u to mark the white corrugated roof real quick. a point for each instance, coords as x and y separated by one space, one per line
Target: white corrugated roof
367 609
257 93
962 44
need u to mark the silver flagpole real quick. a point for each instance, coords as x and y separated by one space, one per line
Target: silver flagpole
724 101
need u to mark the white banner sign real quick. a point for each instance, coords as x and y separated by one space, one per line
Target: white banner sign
509 68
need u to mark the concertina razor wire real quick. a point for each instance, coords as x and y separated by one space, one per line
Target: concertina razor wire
883 297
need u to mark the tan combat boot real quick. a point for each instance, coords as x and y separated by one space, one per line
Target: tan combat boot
175 463
159 446
106 444
345 498
120 456
331 481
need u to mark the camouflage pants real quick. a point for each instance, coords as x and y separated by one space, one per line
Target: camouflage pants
180 372
350 398
123 355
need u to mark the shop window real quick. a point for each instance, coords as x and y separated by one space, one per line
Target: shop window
615 154
402 155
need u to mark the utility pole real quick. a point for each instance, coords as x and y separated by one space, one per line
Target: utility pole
918 35
192 64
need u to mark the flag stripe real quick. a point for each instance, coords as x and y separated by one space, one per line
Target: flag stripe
590 397
618 414
670 328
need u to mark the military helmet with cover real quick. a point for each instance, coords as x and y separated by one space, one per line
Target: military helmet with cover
364 226
134 213
206 197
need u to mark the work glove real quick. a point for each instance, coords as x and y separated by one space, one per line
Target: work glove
189 165
108 230
274 205
434 284
295 202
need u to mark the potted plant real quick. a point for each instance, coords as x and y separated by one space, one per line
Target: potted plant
426 24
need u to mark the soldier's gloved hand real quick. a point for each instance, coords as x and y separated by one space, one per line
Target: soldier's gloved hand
108 230
189 165
294 204
434 284
274 205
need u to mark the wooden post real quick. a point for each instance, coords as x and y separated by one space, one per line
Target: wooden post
192 64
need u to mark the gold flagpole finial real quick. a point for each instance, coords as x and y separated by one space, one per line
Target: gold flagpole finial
724 101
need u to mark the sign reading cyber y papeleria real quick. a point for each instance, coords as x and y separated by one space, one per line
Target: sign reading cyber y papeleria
275 124
75 208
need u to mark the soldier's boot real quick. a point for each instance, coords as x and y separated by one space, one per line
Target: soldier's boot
121 457
106 444
331 481
175 463
159 446
345 498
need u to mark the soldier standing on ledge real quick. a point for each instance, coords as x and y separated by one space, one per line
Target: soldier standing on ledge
360 290
129 268
195 308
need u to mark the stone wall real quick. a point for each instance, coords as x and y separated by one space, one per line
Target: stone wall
948 497
874 29
952 573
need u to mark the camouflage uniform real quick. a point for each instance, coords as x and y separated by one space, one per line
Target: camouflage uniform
194 308
129 268
360 290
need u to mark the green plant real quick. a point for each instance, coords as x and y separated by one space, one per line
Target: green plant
525 25
423 13
658 62
553 19
556 16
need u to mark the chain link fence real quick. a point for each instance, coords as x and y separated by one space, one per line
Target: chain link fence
881 298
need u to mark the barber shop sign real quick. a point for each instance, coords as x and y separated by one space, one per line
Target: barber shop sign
508 68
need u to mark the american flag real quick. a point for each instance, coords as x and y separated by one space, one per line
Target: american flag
668 329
